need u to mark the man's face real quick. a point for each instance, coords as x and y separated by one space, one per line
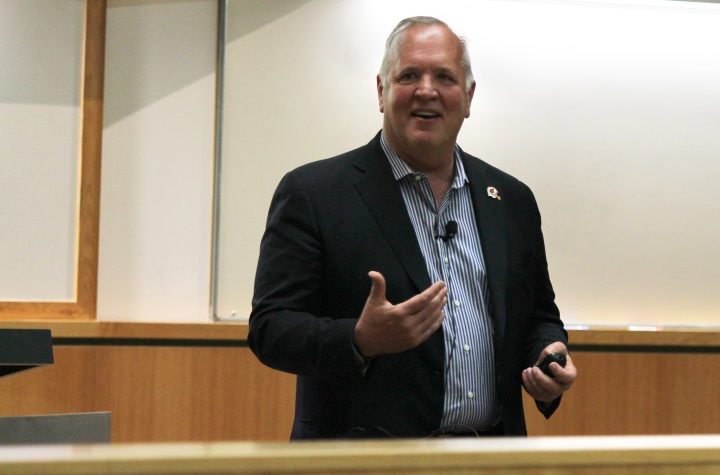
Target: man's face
425 101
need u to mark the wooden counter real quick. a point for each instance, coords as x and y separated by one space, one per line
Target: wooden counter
537 456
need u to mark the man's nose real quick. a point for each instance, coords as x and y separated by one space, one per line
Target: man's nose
426 87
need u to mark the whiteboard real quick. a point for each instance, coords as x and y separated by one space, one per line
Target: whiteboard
608 110
40 70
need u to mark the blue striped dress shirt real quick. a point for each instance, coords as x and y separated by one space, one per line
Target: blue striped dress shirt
470 391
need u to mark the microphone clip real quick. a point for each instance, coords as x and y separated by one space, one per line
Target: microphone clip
451 229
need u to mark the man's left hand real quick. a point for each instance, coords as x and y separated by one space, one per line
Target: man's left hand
544 388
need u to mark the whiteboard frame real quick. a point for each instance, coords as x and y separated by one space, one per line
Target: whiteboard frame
84 305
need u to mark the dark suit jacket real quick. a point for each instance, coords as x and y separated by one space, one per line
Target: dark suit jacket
330 223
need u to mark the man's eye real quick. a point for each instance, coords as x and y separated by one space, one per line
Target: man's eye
409 76
447 79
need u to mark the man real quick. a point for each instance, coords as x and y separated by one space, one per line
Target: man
405 282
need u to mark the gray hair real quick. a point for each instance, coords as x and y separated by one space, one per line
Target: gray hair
391 47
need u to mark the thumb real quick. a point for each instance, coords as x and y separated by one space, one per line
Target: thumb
377 289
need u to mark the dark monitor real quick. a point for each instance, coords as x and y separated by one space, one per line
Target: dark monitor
76 428
24 349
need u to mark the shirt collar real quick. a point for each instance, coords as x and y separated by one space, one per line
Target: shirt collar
401 170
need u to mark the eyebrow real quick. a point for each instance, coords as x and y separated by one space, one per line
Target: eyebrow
441 69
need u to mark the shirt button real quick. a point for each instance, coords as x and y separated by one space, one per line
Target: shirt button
466 347
418 177
471 394
447 259
457 303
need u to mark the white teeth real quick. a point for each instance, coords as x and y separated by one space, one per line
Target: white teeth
425 114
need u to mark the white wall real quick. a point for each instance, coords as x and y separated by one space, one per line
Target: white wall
608 109
156 198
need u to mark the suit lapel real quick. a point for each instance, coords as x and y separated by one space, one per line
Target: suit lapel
490 216
378 189
381 193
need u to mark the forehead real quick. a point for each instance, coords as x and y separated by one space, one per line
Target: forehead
429 43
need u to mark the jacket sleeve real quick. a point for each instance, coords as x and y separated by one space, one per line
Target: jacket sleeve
287 329
546 327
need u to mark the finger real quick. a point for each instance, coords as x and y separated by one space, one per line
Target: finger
436 303
419 302
431 326
565 376
437 323
530 384
530 381
429 321
424 323
560 375
428 316
541 386
556 347
377 287
559 383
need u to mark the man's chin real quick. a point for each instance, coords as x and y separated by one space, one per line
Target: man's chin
427 140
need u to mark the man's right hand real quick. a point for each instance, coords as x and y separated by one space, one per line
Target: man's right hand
387 328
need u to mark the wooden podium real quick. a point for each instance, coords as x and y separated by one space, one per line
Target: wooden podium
22 349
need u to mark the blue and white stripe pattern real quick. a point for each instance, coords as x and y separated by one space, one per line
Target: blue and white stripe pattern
470 391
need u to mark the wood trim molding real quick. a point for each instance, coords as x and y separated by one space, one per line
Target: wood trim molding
557 455
85 304
665 338
617 337
135 330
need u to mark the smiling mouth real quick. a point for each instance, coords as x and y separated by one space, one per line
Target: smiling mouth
426 115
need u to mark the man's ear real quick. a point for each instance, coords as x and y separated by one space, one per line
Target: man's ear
380 93
471 93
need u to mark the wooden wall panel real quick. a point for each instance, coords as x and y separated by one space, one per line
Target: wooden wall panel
210 393
160 393
176 382
622 393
